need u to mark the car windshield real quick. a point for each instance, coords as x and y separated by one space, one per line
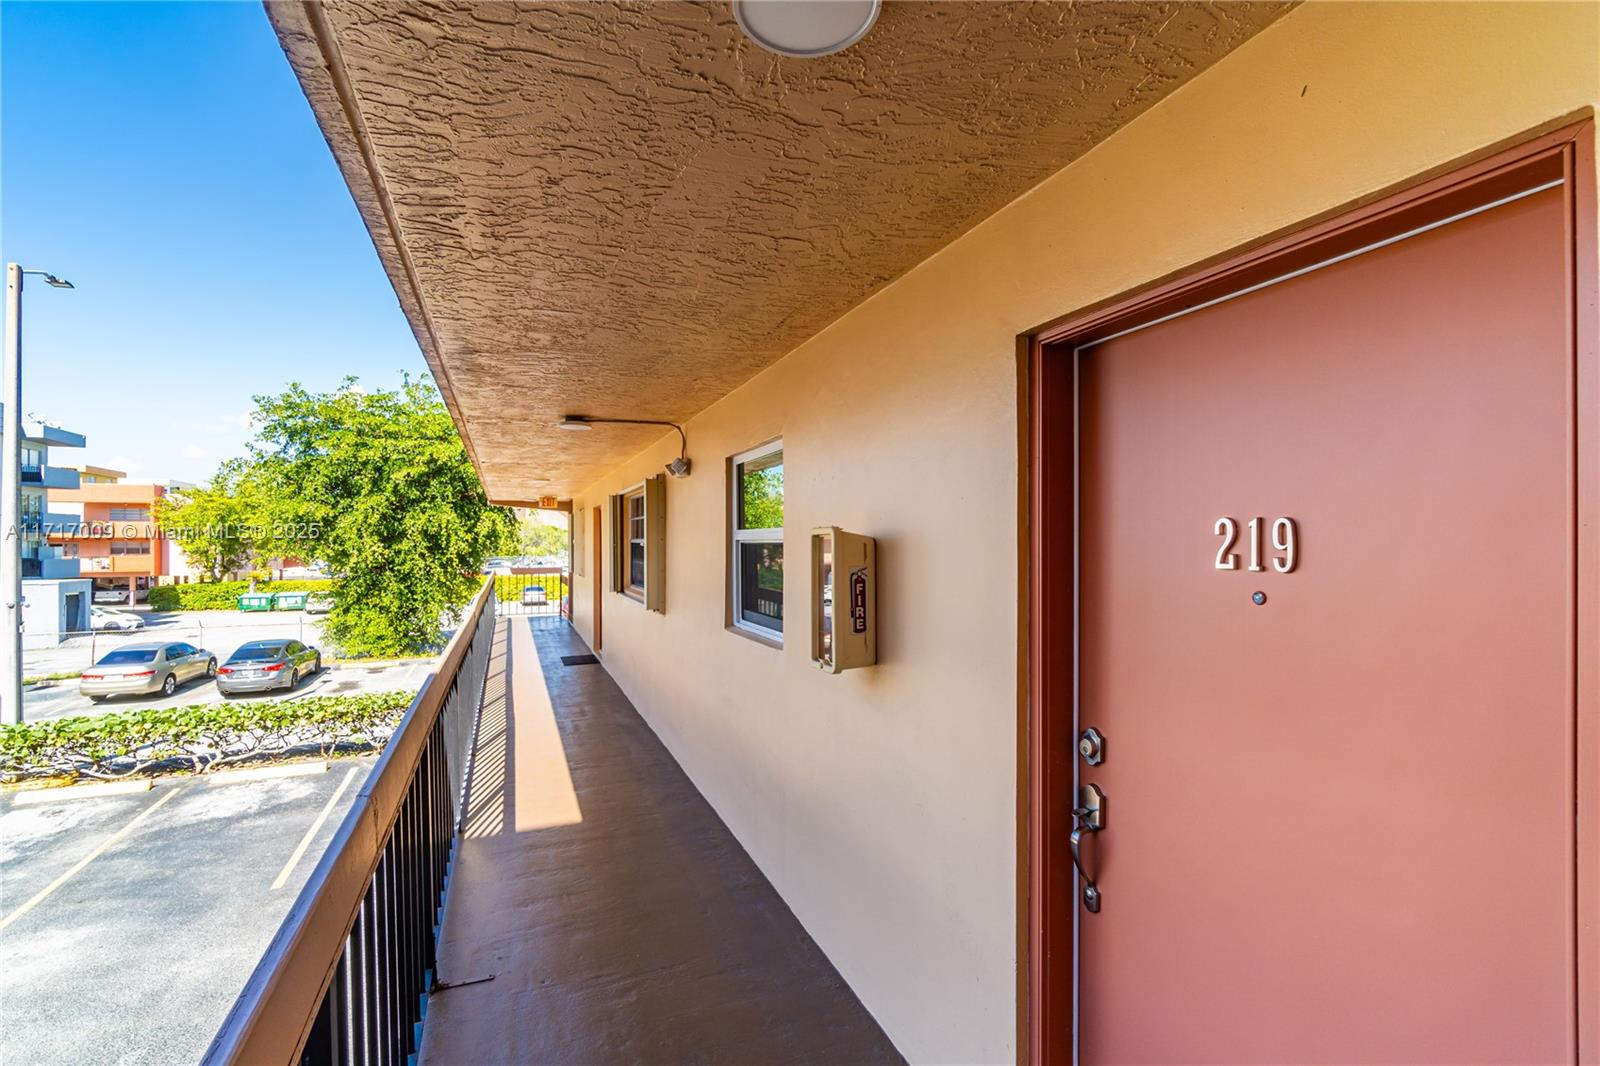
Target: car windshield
128 655
257 653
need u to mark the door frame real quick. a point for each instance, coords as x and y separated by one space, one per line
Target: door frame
1046 366
597 575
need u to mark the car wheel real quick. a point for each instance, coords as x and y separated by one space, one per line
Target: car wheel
97 699
211 668
169 685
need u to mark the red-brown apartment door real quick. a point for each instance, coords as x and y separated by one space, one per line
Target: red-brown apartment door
1338 822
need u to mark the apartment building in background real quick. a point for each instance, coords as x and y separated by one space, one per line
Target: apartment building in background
114 536
55 598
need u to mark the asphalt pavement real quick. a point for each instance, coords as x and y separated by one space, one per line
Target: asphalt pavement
218 631
61 699
129 923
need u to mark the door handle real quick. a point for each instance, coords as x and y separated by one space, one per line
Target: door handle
1091 817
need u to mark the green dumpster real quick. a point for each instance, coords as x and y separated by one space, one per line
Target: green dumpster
289 601
255 601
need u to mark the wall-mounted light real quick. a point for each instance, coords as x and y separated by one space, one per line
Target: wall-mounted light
679 467
805 29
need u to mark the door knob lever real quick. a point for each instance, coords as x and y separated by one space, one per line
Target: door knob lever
1091 818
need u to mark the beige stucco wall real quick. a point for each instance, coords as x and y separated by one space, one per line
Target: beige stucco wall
882 803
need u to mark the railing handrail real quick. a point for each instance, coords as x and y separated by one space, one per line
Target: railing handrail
272 1017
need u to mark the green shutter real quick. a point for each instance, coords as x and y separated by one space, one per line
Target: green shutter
655 543
619 537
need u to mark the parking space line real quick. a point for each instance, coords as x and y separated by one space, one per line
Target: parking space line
305 841
105 844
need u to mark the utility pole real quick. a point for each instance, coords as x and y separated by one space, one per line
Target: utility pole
11 496
11 504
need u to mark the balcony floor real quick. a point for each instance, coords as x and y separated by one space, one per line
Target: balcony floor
619 918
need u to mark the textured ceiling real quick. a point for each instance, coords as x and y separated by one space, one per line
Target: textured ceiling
629 210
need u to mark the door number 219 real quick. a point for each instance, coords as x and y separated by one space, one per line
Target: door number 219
1284 540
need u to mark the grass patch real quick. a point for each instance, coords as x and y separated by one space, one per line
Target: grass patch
65 675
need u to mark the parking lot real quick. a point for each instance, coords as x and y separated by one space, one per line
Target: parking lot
219 632
150 907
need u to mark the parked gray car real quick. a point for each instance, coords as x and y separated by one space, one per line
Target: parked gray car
139 669
262 665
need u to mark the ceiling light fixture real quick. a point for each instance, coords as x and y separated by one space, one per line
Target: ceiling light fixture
679 467
806 29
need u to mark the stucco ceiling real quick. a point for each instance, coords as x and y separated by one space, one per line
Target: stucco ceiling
629 209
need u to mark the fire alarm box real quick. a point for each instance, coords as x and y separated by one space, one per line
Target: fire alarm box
844 599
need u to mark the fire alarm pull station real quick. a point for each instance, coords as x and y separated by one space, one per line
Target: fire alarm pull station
844 599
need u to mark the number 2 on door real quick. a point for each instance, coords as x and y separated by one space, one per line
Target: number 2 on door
1284 540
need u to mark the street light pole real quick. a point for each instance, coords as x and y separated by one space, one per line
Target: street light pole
11 504
11 496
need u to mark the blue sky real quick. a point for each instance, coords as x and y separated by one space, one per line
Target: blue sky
162 158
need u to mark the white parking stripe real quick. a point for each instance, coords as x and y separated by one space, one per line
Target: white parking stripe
305 841
44 893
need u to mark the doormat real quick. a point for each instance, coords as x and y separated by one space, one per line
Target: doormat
579 660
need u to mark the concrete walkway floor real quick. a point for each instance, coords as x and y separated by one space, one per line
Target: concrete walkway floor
619 919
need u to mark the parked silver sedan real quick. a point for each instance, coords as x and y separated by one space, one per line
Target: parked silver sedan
140 669
267 664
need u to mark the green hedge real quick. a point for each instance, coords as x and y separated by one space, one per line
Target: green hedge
508 587
224 595
201 737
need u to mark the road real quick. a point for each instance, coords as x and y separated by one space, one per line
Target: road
129 923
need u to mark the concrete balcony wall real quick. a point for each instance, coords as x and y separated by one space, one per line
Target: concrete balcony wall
106 565
57 568
50 477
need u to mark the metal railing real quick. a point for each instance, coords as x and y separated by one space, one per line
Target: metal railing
346 978
542 591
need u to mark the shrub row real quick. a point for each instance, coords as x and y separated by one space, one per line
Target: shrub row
508 587
223 595
199 738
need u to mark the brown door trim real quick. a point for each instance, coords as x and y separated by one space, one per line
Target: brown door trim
1049 462
597 574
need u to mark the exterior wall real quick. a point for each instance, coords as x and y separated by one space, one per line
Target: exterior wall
95 559
40 478
47 615
883 803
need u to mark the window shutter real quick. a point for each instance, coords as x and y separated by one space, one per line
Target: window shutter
619 537
655 543
577 556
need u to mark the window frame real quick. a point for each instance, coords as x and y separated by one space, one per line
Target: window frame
635 591
739 536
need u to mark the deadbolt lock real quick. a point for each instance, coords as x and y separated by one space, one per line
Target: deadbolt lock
1092 746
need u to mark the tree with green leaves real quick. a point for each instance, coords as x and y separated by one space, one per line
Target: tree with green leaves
542 539
219 526
378 486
